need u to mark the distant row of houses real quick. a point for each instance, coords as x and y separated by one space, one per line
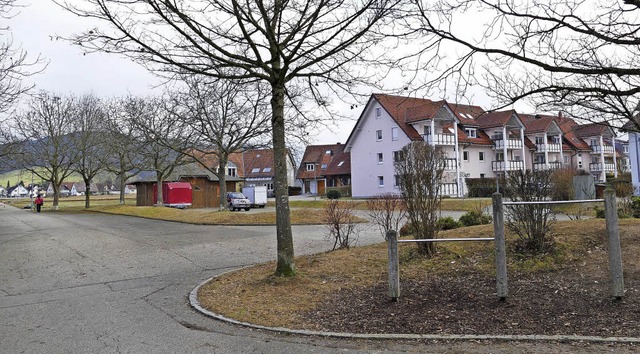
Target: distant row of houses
66 189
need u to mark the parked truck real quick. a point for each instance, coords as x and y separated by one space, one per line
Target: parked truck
257 195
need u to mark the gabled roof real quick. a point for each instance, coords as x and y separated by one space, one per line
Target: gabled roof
185 171
538 123
329 156
495 119
593 129
258 163
467 114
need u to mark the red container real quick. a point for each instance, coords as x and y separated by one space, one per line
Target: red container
174 194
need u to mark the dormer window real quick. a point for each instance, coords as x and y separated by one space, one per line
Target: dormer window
232 171
471 132
255 170
266 169
310 166
323 166
341 163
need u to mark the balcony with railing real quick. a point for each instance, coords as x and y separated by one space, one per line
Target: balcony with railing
511 143
550 147
541 166
450 189
597 149
598 167
440 139
450 164
511 165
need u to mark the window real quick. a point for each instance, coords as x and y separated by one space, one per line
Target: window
556 139
396 181
394 133
566 160
380 158
397 156
499 156
266 169
594 142
378 112
323 166
539 140
311 167
341 163
232 171
426 130
626 149
269 186
481 156
255 170
471 132
482 175
538 158
465 156
378 135
380 181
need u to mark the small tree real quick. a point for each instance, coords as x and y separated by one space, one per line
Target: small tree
341 223
419 174
387 210
531 222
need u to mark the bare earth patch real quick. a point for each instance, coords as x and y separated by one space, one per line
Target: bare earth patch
346 291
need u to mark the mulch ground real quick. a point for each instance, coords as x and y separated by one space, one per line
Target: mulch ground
573 301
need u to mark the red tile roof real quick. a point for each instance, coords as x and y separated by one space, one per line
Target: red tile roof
494 119
329 156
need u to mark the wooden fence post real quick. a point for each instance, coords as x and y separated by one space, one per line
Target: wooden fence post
394 275
613 234
501 254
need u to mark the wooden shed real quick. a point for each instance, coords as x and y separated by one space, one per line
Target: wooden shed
205 186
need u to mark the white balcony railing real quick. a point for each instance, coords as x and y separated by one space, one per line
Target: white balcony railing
550 166
607 149
450 189
507 165
440 139
450 163
549 147
511 143
598 166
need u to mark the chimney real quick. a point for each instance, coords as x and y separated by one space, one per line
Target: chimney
560 114
537 116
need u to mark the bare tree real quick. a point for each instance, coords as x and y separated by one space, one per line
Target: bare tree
341 223
579 56
88 141
387 210
281 43
44 132
531 221
419 172
163 138
14 63
225 116
122 142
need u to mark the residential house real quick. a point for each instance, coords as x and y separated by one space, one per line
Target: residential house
17 191
325 166
633 129
388 123
257 168
602 157
65 189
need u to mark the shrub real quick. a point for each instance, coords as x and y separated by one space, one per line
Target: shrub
334 194
447 223
599 212
295 190
562 184
475 217
481 187
635 207
407 229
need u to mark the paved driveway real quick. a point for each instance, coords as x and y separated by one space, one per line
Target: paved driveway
94 283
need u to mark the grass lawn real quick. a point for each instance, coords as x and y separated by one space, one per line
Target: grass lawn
325 281
454 204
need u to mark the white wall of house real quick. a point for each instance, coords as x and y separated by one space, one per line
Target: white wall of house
365 168
474 165
634 156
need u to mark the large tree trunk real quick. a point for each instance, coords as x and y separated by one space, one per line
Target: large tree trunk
285 266
159 182
122 185
223 180
87 192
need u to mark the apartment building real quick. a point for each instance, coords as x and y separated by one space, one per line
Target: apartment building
477 144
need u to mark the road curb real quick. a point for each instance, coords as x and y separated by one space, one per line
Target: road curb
193 301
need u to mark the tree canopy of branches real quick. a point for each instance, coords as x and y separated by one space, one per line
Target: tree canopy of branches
225 117
14 67
579 56
281 43
44 135
419 174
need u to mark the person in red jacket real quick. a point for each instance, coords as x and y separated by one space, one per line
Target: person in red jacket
39 201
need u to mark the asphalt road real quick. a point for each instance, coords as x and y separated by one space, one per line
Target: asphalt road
94 283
